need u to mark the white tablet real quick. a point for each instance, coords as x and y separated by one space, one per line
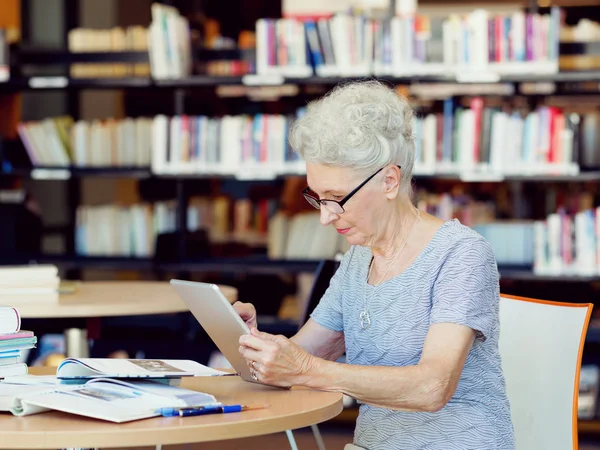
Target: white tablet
218 318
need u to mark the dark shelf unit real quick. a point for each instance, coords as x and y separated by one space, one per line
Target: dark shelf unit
19 82
146 172
105 172
250 264
88 262
36 56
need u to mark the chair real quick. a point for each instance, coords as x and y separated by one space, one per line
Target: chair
541 345
323 275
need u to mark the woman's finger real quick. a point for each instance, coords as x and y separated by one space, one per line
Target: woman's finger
247 340
251 355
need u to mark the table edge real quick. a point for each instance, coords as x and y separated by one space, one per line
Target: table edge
168 436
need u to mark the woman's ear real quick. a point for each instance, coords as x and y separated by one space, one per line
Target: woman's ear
391 181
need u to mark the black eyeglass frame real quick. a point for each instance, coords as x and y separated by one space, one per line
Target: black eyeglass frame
318 202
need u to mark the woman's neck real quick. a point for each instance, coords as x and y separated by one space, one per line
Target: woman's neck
396 229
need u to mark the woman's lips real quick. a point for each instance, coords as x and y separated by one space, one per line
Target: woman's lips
343 230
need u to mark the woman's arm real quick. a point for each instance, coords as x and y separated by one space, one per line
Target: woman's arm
320 341
312 337
427 386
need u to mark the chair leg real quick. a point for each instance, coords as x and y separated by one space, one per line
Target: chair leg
318 437
290 437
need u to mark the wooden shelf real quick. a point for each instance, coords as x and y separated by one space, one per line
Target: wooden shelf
589 426
52 173
145 172
64 82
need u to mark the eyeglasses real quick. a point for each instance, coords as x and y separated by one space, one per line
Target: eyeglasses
335 206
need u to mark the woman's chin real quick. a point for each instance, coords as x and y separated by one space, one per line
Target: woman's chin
352 239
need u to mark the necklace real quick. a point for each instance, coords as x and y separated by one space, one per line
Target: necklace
364 316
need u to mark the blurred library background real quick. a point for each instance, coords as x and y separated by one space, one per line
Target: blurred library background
146 140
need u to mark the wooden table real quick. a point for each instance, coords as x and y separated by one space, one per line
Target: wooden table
290 409
93 300
111 299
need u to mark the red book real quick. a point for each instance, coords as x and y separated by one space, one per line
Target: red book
477 108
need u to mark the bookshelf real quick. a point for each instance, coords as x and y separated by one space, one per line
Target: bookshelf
28 59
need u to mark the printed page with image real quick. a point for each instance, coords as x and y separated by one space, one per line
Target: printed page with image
105 399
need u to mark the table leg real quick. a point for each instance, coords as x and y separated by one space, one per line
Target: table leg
318 437
290 436
76 343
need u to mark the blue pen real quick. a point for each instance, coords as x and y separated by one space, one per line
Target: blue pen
201 410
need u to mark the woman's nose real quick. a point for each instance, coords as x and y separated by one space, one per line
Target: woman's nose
327 216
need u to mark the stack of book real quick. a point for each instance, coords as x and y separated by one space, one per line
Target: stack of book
30 283
12 341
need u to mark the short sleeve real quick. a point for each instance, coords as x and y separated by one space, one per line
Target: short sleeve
329 311
466 290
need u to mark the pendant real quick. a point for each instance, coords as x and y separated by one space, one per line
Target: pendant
365 319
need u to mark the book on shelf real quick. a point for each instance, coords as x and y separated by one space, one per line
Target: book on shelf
63 142
302 236
568 243
584 38
115 230
470 47
108 399
494 141
116 39
477 141
4 56
169 43
134 230
589 381
249 147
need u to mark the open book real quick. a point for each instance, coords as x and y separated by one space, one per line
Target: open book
73 369
106 399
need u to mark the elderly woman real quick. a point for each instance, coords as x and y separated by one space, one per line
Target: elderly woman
414 303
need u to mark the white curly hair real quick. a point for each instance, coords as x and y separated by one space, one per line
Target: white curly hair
363 125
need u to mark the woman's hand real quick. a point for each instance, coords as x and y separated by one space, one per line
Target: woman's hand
247 312
275 359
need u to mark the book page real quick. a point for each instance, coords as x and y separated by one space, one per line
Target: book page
187 396
134 368
114 401
10 394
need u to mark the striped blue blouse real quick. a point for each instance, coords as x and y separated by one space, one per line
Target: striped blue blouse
454 279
